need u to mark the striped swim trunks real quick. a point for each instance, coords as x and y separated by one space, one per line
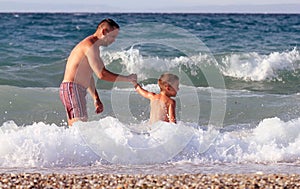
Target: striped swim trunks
72 96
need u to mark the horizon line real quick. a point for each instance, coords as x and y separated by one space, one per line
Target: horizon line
150 12
282 8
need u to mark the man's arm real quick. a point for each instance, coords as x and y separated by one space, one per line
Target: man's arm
97 65
112 77
97 102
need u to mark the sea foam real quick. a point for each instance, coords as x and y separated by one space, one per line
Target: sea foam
110 141
257 67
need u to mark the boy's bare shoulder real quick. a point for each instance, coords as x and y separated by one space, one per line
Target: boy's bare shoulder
172 101
155 96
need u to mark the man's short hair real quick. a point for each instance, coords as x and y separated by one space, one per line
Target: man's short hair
110 22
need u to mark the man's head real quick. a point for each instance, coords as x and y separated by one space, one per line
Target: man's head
169 83
109 29
108 23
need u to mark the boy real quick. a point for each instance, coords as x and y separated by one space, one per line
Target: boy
162 105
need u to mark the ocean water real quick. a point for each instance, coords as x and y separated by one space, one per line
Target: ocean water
238 107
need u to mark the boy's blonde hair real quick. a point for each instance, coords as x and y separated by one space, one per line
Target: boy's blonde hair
167 79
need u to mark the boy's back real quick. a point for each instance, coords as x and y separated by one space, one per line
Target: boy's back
162 105
160 109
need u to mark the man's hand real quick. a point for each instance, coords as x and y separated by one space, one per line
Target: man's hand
132 78
98 106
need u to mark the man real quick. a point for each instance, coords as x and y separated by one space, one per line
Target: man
84 60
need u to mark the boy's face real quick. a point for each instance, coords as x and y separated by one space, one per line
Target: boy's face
173 89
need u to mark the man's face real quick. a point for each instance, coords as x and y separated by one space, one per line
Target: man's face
110 37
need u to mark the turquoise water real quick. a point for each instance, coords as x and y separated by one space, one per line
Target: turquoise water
34 47
238 103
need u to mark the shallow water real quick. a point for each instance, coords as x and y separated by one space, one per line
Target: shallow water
238 103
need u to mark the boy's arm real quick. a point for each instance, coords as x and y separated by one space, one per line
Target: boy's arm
143 92
171 111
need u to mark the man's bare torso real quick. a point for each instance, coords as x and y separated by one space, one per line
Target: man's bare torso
78 69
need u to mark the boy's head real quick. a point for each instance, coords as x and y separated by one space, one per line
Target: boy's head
169 83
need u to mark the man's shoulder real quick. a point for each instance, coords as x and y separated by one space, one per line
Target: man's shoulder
86 41
85 44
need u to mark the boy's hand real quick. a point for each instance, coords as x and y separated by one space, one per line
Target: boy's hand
135 84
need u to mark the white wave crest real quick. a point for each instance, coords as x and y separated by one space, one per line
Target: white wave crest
256 67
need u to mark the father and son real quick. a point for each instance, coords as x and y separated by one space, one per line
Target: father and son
84 60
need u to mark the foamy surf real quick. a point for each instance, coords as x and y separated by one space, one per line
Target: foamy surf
122 144
110 141
257 67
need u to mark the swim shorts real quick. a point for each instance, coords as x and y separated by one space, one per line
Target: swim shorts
72 96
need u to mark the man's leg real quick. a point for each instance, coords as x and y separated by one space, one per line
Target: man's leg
73 120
